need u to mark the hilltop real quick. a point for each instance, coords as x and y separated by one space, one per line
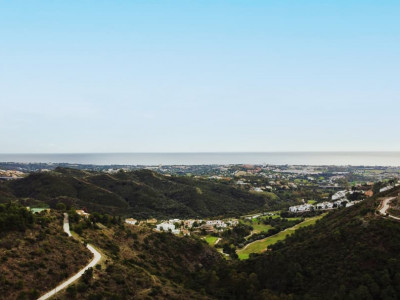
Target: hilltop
141 194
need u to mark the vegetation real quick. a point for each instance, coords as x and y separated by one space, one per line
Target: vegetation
211 240
15 217
274 236
35 253
395 207
142 264
351 253
141 194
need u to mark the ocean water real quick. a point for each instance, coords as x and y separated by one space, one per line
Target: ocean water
278 158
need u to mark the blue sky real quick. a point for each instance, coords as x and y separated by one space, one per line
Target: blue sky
194 76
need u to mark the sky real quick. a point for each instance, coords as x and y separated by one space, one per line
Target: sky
84 76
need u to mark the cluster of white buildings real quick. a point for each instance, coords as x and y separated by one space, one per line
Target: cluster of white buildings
320 206
222 224
177 226
167 226
301 208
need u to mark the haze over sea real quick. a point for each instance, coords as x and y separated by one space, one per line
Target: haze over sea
278 158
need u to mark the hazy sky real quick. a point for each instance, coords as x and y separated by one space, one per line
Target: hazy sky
161 76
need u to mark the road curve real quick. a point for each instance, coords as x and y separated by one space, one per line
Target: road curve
385 206
93 262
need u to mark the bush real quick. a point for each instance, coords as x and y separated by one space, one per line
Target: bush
87 276
71 291
82 287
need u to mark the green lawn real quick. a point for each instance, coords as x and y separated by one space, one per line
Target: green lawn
311 201
211 240
261 245
255 220
294 218
257 228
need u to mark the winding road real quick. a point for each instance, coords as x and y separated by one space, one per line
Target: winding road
385 206
93 262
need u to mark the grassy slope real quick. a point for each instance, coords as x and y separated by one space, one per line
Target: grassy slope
211 240
257 228
261 245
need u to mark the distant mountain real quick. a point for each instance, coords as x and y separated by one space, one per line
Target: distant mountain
141 194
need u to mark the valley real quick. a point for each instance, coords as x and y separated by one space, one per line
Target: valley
201 256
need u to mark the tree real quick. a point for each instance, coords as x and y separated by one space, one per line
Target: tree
61 206
87 276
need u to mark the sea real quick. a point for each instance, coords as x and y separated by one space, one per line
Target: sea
209 158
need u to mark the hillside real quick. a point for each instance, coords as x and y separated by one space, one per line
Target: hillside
352 253
35 254
137 263
142 264
141 194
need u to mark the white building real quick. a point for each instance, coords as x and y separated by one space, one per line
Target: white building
300 208
216 223
339 195
324 205
165 226
131 221
82 213
232 222
386 188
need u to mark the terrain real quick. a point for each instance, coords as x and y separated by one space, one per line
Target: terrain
349 253
35 253
352 253
141 194
142 264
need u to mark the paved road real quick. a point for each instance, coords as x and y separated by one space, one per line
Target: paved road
385 206
94 261
66 225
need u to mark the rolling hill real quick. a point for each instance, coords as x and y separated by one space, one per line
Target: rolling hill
141 194
352 253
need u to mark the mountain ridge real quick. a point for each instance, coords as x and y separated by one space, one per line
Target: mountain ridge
141 194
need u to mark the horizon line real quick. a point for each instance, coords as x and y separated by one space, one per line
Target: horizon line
208 152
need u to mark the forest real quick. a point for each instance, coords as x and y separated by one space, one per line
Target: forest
141 194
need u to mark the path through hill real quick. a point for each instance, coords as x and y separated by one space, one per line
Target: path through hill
385 206
93 262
